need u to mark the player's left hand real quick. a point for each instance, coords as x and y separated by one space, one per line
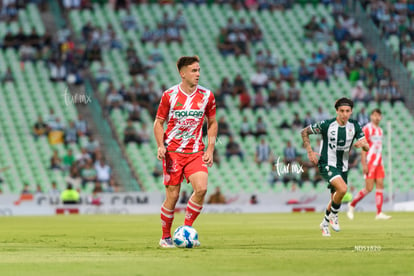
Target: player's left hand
208 158
362 144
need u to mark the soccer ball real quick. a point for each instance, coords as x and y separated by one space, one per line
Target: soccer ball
185 237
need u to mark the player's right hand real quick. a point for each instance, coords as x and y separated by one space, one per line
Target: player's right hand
313 157
365 169
161 153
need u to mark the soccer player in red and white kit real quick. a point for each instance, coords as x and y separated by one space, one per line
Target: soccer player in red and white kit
184 107
372 166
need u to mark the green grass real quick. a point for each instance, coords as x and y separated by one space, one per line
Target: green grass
240 244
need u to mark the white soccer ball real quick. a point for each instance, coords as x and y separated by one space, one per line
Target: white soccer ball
185 237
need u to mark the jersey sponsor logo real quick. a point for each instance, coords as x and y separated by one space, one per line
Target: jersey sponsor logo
185 135
180 114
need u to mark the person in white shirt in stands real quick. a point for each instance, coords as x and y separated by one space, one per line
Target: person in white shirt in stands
103 171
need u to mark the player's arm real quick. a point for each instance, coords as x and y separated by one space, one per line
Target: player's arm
306 143
212 128
362 143
364 162
159 137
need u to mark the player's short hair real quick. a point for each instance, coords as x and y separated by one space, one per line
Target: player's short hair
344 102
376 110
185 61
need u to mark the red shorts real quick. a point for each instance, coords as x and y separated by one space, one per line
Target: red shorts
177 165
375 172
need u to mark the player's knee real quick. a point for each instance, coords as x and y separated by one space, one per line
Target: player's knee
341 190
368 189
201 191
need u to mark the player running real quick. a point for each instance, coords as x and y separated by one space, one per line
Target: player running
338 135
184 107
372 166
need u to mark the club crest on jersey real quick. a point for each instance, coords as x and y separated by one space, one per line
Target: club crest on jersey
350 132
200 104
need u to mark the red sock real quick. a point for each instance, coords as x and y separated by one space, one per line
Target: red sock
192 212
359 197
167 217
379 199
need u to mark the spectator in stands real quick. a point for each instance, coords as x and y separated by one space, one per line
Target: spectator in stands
320 74
144 135
217 197
238 85
93 52
308 120
103 73
136 66
407 52
81 126
285 72
245 128
290 153
40 128
82 157
297 122
245 99
362 117
55 161
311 28
26 190
304 74
395 94
293 93
355 33
148 35
233 148
113 186
9 40
129 22
359 93
383 91
321 115
72 4
263 152
259 80
103 171
223 127
92 146
56 125
88 173
223 44
54 191
58 71
130 133
71 134
273 176
259 100
340 33
261 128
68 160
114 100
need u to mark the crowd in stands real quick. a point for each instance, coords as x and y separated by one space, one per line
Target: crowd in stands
89 166
395 18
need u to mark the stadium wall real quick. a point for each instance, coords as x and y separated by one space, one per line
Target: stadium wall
149 203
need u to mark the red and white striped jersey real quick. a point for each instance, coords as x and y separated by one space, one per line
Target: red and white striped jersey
185 116
373 135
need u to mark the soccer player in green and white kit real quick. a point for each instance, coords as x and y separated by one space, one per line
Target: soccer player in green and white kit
338 135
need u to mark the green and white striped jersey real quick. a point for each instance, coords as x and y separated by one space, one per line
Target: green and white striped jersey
336 141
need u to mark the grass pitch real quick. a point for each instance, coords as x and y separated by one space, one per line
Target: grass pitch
239 244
